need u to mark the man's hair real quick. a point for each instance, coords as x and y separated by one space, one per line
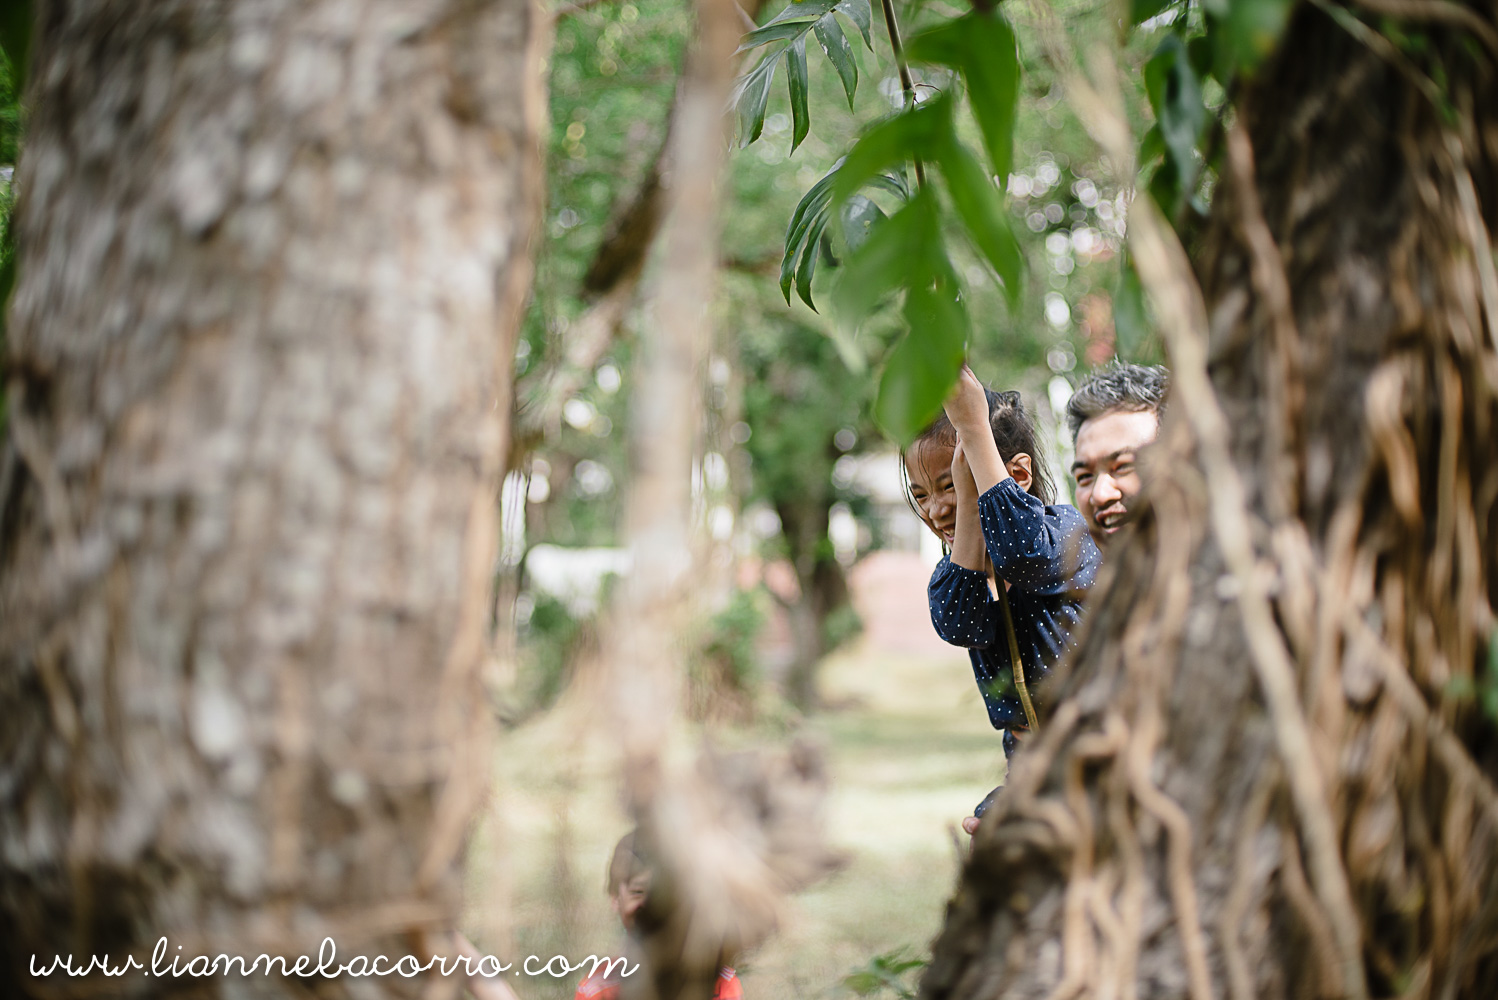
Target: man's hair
1117 386
628 862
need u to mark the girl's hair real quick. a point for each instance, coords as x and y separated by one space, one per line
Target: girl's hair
1013 432
627 863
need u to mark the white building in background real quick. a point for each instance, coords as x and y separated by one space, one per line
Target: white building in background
575 576
876 475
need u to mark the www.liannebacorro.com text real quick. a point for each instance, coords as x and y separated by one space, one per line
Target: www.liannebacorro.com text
326 965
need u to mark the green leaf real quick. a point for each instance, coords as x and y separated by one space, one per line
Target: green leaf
884 972
892 142
993 90
813 204
898 248
1252 29
815 199
791 26
893 183
804 11
859 216
983 49
1151 147
1166 188
776 31
1490 682
923 367
794 253
824 245
795 74
753 93
835 44
978 206
809 223
7 283
15 40
1176 96
809 259
1143 10
862 17
1200 52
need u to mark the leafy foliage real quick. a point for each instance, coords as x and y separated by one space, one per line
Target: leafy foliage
1175 95
804 235
730 638
889 972
981 46
614 70
15 46
1206 48
786 368
906 253
787 32
551 640
1210 44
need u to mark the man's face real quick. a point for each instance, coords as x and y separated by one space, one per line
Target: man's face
1107 478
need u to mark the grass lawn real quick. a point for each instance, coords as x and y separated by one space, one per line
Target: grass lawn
910 752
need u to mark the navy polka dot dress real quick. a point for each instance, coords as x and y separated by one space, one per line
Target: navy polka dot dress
1050 560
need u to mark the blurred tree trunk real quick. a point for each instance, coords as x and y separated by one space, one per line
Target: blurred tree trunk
272 258
822 588
730 836
1266 775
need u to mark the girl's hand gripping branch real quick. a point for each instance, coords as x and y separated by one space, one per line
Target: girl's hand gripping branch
967 408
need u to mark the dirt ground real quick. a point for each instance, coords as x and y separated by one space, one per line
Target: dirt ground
909 751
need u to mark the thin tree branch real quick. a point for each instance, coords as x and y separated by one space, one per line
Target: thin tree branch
906 84
612 277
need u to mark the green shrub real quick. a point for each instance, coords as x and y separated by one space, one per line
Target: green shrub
894 971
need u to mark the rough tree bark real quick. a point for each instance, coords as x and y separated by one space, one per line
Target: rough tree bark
1265 775
272 260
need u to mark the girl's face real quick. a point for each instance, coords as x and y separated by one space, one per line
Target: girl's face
929 466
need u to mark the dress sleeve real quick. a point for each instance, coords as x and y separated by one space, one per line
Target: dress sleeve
963 610
1040 549
728 987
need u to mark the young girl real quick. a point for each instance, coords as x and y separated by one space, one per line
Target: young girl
974 480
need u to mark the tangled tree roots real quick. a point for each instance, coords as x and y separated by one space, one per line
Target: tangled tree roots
1181 829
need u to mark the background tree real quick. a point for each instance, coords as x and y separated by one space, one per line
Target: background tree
798 399
1267 774
273 262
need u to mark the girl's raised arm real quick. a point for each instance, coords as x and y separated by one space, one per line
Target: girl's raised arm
967 534
967 408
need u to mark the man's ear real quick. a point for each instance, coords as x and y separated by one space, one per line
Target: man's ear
1019 468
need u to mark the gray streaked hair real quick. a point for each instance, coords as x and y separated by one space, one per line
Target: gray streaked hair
1117 386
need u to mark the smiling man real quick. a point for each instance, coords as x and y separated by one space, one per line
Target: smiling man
1113 414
